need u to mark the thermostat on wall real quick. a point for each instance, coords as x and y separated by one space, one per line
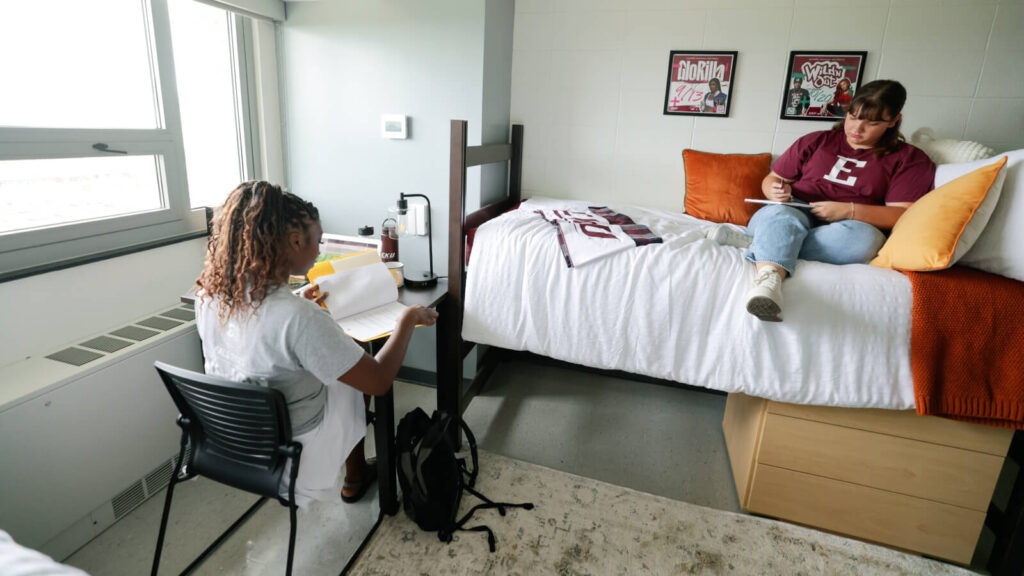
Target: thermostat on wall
393 126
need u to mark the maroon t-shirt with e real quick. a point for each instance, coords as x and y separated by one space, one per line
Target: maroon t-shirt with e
823 166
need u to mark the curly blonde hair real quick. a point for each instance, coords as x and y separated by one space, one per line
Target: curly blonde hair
245 255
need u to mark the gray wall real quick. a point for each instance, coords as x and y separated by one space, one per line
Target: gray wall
346 62
497 91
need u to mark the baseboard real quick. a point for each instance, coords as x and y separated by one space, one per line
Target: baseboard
418 376
424 377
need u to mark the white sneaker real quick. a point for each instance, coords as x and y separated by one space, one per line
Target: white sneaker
728 236
764 300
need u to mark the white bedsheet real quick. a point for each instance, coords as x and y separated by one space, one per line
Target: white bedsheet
676 311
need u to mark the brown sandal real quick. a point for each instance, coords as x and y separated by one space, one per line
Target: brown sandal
369 477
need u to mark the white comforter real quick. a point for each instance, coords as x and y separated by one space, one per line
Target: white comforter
676 311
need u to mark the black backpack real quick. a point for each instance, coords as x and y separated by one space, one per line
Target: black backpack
433 477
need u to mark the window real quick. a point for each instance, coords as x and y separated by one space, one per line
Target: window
112 140
206 69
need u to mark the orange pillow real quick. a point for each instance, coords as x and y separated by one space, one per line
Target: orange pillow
716 185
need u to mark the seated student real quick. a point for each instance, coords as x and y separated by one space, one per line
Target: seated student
254 329
858 178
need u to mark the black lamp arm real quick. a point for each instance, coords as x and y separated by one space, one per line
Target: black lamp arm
430 229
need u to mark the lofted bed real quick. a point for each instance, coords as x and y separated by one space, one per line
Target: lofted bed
850 457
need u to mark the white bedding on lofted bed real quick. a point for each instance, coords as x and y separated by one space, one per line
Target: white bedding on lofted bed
676 311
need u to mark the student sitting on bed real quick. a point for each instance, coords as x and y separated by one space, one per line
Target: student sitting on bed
254 329
857 178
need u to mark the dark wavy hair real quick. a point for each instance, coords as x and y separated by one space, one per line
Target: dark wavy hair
245 255
879 100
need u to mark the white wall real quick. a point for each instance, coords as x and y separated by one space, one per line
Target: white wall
588 81
41 313
346 62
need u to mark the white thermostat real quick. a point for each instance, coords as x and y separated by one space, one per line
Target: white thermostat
393 126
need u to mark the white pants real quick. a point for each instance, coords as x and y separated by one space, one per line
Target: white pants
325 447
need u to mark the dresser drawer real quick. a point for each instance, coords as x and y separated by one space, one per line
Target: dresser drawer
921 469
927 527
905 424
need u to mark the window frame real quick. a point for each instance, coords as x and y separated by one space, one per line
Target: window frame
35 251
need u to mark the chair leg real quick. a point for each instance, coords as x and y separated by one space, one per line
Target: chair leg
296 458
163 522
291 539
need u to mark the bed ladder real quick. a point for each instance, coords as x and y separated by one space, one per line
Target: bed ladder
452 394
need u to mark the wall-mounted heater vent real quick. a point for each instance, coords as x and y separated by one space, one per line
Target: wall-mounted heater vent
127 500
146 487
160 477
90 430
94 348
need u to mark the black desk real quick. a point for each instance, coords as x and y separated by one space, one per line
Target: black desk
384 405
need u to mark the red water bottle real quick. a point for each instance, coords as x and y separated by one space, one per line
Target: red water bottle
389 240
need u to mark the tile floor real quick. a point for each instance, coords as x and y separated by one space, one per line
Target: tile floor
658 439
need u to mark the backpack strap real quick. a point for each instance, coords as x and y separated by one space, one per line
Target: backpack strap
447 536
444 534
488 503
471 440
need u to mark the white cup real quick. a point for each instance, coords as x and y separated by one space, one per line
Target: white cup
396 269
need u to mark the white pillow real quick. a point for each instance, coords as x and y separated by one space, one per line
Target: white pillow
945 150
1000 246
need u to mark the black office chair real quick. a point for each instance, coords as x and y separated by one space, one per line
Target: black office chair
237 434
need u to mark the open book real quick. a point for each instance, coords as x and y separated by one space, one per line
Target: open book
362 295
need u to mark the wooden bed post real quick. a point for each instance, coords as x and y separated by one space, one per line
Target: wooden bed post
452 396
515 169
449 322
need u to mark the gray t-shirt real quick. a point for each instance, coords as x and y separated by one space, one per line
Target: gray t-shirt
289 343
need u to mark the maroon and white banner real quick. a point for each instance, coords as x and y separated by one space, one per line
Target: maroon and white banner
585 236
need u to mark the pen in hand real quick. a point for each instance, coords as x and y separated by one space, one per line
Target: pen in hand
312 292
777 191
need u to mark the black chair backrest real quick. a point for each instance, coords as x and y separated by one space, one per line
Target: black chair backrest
239 433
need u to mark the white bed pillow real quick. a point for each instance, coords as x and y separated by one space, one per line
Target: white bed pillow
1000 247
947 150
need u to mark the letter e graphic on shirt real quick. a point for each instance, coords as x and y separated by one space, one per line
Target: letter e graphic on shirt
841 166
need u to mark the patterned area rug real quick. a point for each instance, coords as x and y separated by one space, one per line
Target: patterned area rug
582 526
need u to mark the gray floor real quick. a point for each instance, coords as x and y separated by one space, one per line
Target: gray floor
657 439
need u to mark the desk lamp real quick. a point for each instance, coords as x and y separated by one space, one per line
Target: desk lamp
417 278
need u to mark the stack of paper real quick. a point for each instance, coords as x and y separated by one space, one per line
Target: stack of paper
362 295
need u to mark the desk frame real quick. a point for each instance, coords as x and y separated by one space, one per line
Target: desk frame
384 405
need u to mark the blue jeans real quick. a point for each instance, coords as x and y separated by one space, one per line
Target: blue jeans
782 234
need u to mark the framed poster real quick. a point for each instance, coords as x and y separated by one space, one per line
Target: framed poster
820 84
699 83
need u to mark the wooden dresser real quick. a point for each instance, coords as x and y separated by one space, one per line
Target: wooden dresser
918 483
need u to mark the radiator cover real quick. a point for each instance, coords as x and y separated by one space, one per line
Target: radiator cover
83 443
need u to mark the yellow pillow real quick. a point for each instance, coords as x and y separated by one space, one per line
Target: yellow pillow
933 233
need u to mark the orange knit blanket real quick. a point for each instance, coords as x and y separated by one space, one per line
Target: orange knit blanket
967 346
